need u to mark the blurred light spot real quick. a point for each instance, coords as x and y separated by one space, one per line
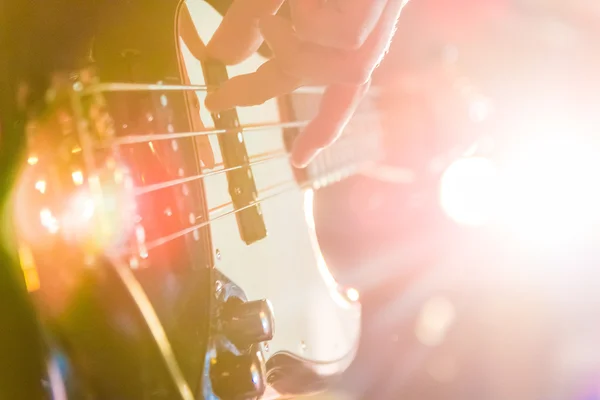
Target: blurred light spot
353 294
40 186
118 175
143 251
140 234
468 190
77 178
48 220
134 263
82 207
549 191
436 317
29 268
32 160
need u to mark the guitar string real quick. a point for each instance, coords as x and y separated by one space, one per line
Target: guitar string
174 182
249 128
262 189
160 87
293 185
338 174
124 272
257 159
138 139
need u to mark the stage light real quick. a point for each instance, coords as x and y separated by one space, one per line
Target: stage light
550 189
468 190
542 189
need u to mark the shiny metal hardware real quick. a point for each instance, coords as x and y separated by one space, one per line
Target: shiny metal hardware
247 323
238 377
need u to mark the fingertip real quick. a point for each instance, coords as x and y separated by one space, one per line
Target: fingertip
310 143
213 102
226 54
301 160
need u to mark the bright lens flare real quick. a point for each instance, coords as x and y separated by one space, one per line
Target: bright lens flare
469 190
544 190
49 221
551 189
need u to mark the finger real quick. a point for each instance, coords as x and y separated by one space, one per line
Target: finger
252 89
342 24
378 43
238 36
313 63
337 107
189 34
319 65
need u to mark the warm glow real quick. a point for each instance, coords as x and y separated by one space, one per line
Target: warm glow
543 189
49 221
338 296
468 190
29 268
435 319
77 178
40 186
32 160
551 190
352 294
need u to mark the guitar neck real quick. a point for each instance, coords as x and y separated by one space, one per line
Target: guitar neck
359 146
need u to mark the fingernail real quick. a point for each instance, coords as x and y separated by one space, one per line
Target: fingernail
301 160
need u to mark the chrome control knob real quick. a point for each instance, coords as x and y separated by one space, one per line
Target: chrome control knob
247 323
238 377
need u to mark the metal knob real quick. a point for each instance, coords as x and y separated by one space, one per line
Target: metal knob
246 323
238 377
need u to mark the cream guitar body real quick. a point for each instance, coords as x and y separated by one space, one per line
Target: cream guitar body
315 319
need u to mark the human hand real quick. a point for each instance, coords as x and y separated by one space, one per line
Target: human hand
336 43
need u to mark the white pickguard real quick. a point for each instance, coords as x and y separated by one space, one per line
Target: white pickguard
312 319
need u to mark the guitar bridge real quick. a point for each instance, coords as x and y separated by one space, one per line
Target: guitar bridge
242 187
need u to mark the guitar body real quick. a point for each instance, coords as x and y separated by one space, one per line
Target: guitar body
207 294
314 318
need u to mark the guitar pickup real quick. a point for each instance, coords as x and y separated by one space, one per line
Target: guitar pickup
242 187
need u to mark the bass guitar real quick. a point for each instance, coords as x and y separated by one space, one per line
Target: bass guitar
171 252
